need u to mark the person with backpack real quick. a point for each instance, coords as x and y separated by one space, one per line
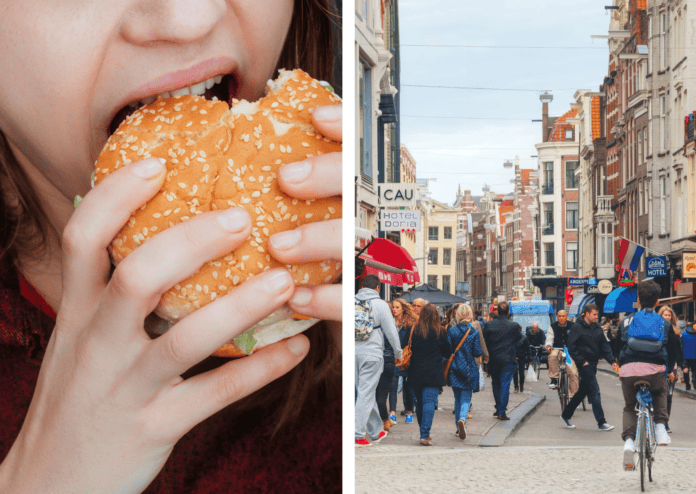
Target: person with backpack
644 357
373 323
688 343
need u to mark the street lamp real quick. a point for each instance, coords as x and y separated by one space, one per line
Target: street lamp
546 97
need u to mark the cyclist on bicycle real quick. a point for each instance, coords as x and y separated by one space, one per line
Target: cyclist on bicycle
556 339
536 338
644 357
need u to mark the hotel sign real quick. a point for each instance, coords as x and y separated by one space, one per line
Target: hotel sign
400 220
397 195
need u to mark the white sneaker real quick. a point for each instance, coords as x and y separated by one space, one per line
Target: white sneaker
628 454
661 435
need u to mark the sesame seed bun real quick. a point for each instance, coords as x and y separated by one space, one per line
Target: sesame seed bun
219 157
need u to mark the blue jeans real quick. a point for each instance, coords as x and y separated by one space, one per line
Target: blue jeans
501 377
588 387
426 398
462 401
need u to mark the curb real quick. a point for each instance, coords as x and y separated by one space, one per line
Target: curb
689 394
497 435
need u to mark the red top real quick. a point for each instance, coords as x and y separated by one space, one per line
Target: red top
226 453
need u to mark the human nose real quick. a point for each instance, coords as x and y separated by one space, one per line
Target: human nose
173 21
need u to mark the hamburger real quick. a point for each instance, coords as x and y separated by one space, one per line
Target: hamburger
221 155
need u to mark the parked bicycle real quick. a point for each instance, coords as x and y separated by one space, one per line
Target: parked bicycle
646 443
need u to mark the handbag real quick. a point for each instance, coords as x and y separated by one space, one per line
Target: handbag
482 380
406 352
531 374
449 360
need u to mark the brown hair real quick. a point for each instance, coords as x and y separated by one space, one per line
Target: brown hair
428 321
24 225
408 317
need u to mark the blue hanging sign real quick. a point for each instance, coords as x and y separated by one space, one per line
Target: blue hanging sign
656 266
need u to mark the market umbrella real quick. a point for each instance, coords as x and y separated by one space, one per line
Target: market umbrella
432 295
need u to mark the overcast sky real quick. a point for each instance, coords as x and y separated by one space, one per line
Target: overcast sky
471 152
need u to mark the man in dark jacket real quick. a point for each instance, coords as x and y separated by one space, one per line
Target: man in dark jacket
502 336
586 345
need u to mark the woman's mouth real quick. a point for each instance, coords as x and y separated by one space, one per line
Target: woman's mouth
219 87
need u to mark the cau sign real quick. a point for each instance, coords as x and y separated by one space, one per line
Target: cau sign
397 195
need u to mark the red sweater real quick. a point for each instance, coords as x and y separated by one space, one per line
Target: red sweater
226 453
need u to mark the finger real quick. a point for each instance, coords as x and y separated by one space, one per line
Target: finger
321 302
198 335
329 121
311 242
164 260
94 224
195 399
315 177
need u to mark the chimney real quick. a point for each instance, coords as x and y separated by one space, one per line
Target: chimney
545 98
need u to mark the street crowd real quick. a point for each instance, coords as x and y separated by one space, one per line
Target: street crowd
409 348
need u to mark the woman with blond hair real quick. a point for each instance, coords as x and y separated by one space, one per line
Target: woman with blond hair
463 375
429 345
405 318
674 352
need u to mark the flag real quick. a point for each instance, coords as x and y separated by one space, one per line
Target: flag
569 362
629 254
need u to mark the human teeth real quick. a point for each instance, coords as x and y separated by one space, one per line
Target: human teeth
209 83
148 100
197 89
218 79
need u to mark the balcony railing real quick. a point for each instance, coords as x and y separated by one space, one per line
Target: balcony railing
547 188
547 229
604 204
545 271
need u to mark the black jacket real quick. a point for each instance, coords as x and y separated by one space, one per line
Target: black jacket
502 337
560 333
426 368
537 339
587 343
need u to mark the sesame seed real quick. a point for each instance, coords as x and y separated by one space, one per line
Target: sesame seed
199 288
215 275
235 280
293 218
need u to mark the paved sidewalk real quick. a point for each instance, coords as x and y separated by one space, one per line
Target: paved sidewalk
404 437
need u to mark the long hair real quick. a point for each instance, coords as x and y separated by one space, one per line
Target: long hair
672 319
428 321
449 315
25 228
408 314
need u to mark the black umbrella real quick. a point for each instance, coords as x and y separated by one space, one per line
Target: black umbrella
432 295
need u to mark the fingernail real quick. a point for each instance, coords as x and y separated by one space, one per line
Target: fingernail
285 240
148 168
296 172
330 113
301 297
297 345
277 281
234 220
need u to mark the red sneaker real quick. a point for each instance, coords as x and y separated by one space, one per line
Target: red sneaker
361 443
381 436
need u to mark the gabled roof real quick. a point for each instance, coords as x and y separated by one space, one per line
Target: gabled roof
560 126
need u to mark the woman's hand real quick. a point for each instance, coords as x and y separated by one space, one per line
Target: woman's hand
316 177
110 403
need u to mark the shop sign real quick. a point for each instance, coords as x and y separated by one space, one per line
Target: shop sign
581 281
397 195
400 220
656 266
689 264
592 289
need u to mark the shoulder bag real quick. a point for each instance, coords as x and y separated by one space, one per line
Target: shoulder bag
449 360
406 352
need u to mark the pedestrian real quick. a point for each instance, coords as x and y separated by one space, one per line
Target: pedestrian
429 346
463 375
522 353
405 319
556 341
614 335
109 407
587 344
688 343
502 336
644 357
369 361
385 382
674 354
418 304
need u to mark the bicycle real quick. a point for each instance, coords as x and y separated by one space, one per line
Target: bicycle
562 387
536 361
646 442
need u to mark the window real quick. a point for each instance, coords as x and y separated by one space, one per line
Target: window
447 257
663 29
571 179
548 214
548 173
640 147
663 135
569 134
365 121
432 280
446 283
432 256
663 205
571 256
571 215
549 258
461 224
447 233
433 233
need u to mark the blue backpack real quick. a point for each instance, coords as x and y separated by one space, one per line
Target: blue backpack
646 332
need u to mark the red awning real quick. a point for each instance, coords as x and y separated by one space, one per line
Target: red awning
390 262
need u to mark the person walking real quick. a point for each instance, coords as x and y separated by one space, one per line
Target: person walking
644 357
586 345
675 356
463 375
522 353
502 336
369 359
614 335
688 343
556 340
429 346
405 319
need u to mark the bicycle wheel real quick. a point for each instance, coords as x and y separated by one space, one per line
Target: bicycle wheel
563 390
537 366
643 448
